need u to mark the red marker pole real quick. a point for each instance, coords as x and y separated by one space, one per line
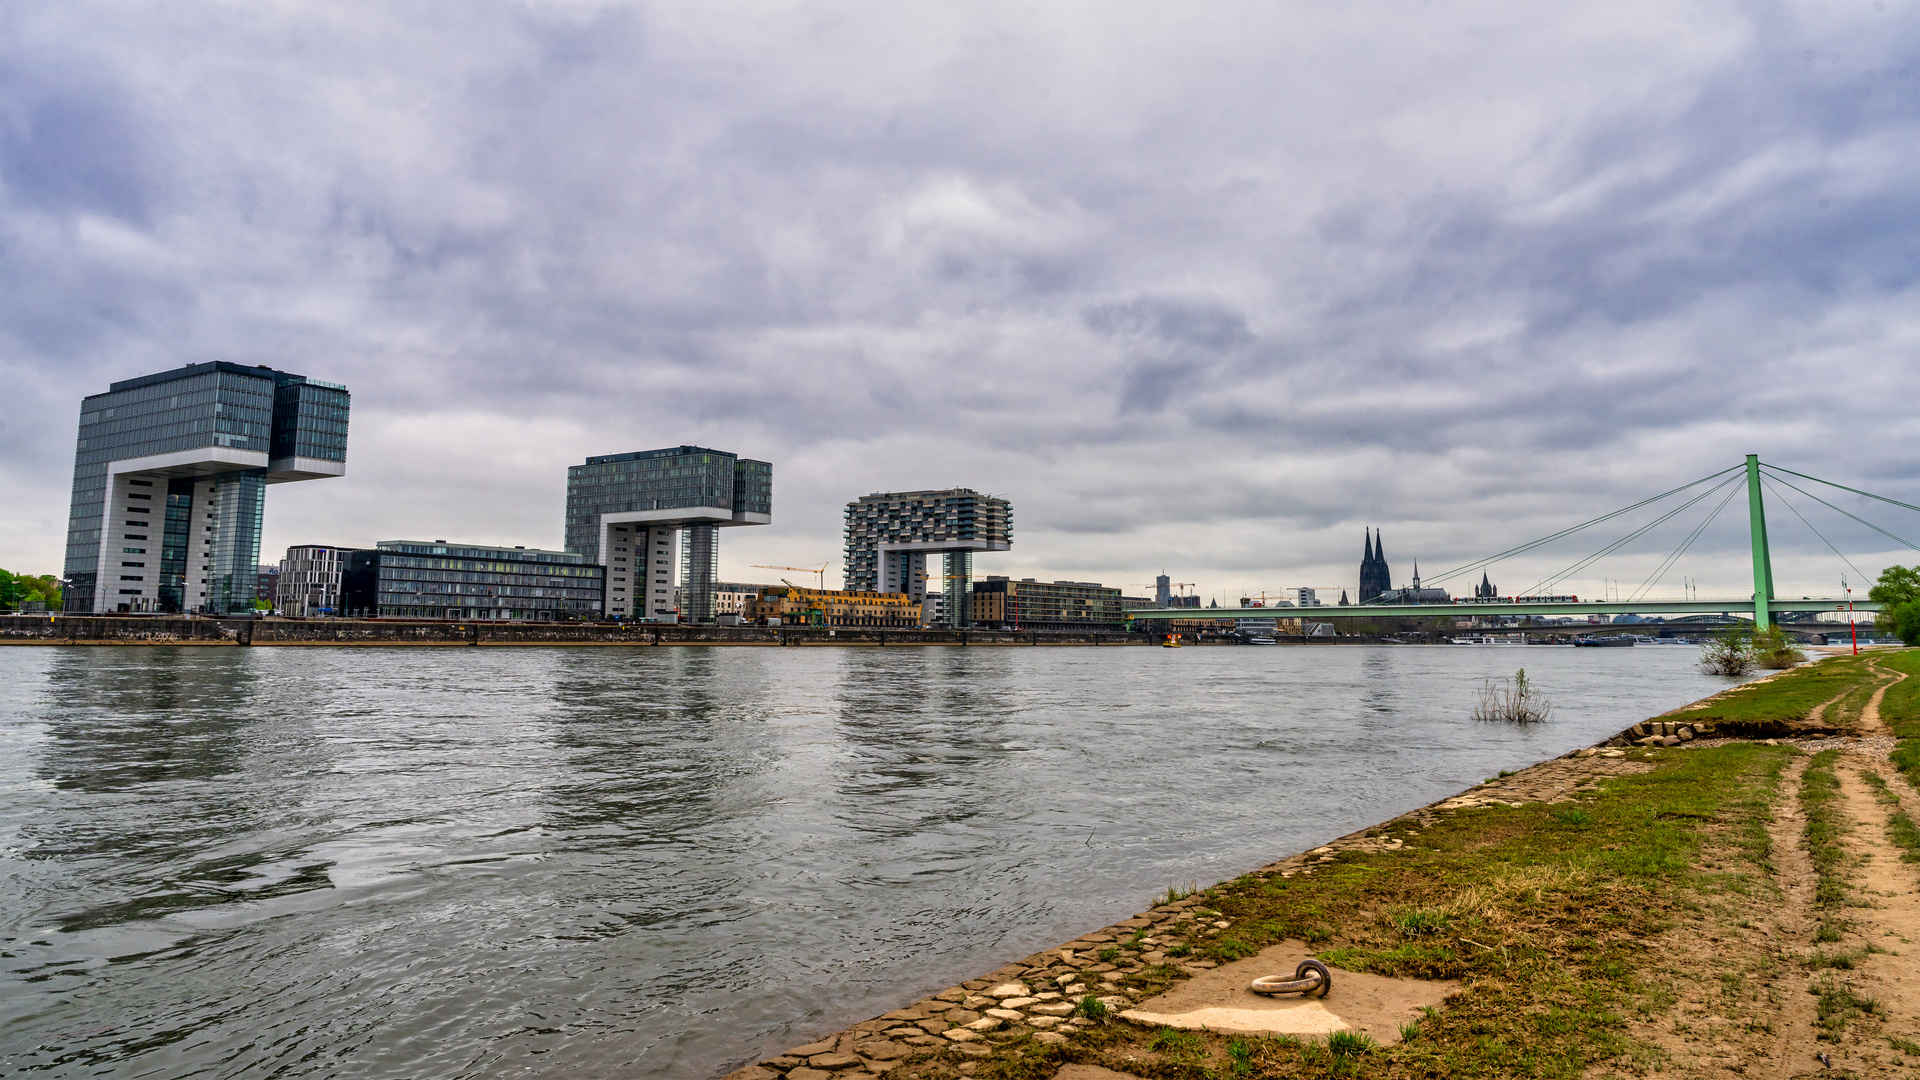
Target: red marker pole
1852 633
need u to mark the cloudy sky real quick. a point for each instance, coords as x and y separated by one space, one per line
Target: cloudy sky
1206 288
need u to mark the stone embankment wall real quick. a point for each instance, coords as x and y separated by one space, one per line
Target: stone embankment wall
134 630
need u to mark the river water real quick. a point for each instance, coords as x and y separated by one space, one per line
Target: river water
664 861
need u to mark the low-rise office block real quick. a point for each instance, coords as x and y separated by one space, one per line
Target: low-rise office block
1003 604
437 580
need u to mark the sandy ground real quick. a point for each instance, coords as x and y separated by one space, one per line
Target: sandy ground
1218 1000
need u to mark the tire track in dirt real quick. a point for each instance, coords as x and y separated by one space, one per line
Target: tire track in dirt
1794 922
1880 942
1870 721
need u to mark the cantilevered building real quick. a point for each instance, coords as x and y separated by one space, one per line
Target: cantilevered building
628 512
169 483
890 534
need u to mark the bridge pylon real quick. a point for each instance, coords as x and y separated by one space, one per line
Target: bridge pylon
1762 556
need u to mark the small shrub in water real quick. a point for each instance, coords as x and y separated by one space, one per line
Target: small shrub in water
1517 701
1729 653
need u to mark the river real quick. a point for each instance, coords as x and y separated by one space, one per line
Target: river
424 863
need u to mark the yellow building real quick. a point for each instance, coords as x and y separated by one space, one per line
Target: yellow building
790 605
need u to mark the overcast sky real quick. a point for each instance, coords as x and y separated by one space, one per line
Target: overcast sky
1206 288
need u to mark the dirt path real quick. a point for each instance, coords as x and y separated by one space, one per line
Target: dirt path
1885 924
1870 721
1854 997
1794 925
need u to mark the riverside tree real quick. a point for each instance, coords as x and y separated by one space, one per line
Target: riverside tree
19 589
1898 593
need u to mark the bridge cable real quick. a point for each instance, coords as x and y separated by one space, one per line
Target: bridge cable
1842 487
1661 570
1803 520
1856 517
1523 548
1555 579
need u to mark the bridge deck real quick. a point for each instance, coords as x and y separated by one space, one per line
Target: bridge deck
1575 608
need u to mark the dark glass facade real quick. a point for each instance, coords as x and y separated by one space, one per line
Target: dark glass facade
216 434
309 419
680 478
416 579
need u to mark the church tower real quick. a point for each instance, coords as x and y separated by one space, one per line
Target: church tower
1375 578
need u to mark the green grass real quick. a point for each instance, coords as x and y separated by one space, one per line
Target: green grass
1819 800
1838 1004
1901 707
1786 697
1176 1043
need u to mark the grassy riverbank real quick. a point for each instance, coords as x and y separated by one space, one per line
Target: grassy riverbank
1717 908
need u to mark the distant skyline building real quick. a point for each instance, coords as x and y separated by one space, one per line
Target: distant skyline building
169 483
1486 589
890 534
628 512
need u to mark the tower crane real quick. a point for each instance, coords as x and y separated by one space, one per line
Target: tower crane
820 570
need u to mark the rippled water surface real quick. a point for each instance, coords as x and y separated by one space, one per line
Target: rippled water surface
663 861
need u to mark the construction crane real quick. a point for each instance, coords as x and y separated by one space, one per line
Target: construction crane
820 570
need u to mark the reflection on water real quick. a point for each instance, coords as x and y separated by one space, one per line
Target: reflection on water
662 861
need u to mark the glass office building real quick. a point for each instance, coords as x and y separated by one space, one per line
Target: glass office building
169 483
436 580
647 514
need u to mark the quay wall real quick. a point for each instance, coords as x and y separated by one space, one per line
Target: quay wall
149 630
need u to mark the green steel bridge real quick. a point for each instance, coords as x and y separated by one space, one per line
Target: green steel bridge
1762 606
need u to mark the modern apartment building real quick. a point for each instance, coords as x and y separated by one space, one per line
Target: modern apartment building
169 483
1003 604
890 534
437 580
310 580
645 514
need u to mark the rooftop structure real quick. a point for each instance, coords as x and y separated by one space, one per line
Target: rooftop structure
629 511
169 482
890 534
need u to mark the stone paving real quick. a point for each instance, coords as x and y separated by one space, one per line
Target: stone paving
1035 996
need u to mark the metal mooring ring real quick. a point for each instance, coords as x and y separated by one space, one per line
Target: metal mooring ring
1310 979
